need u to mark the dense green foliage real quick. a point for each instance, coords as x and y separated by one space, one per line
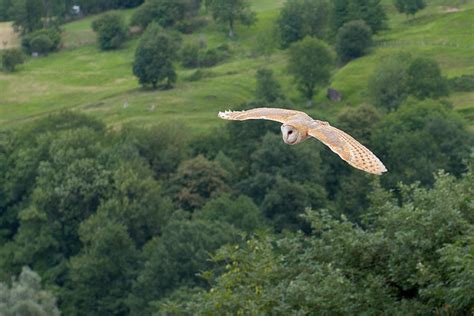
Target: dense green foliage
96 6
353 40
26 15
400 76
301 18
310 62
401 260
425 79
154 57
267 88
409 6
388 84
111 30
230 12
370 11
50 35
11 58
166 13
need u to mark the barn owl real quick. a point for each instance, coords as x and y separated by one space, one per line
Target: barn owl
297 126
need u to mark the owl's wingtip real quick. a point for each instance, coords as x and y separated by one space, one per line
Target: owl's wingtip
225 115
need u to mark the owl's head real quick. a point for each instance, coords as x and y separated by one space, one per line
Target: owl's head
291 135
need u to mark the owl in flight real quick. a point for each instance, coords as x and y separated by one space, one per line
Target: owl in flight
297 126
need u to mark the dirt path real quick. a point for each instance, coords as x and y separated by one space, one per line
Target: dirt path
8 38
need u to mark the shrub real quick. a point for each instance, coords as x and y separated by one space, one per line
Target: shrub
190 56
388 84
200 74
464 83
53 34
353 40
11 58
209 58
409 6
425 79
111 30
267 87
41 44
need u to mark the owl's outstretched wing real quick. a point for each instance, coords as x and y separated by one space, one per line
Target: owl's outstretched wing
350 150
273 114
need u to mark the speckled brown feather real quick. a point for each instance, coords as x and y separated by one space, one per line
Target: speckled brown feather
339 142
349 149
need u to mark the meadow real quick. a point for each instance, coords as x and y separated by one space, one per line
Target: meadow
81 77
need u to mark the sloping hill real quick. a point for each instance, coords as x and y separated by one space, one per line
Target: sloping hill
82 77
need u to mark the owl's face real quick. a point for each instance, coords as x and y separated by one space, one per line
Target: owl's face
291 135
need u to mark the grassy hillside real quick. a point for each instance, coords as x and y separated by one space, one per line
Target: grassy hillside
82 77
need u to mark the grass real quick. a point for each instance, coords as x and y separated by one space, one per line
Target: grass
83 78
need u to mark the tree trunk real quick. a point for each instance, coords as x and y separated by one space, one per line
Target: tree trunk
231 28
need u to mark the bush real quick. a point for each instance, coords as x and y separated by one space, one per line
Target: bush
409 6
210 58
200 74
353 40
11 58
111 30
465 83
388 84
190 56
190 25
41 44
267 87
53 34
425 79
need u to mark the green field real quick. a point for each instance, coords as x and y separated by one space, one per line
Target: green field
81 77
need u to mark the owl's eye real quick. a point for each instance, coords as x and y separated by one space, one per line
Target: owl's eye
290 132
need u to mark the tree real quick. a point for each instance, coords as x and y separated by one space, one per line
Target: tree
409 6
241 212
230 12
26 15
370 11
267 88
301 18
310 62
353 40
197 180
165 13
425 79
410 256
388 85
111 30
26 297
176 259
154 57
100 276
11 58
418 139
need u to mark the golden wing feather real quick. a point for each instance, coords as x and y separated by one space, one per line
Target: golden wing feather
273 114
349 149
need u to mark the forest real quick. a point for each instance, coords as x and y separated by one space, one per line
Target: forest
162 212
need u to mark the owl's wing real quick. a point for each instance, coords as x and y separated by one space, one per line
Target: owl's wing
273 114
350 150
